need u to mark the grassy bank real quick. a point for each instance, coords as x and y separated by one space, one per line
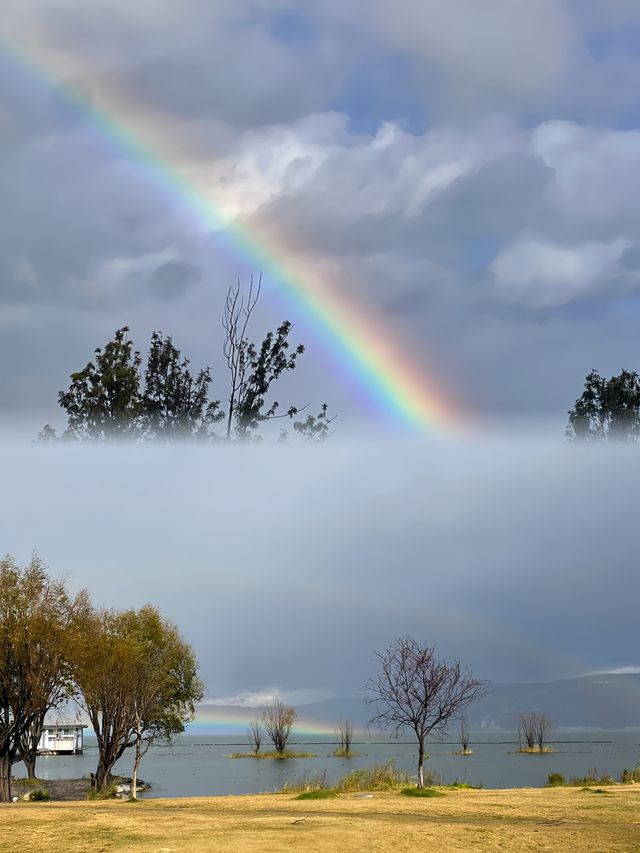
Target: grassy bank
548 819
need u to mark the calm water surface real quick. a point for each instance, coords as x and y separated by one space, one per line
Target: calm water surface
199 765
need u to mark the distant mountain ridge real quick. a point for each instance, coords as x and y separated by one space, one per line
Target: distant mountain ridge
607 702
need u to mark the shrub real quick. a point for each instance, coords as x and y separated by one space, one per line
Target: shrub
325 794
108 793
466 786
591 779
421 792
278 756
39 795
307 784
555 780
628 777
380 777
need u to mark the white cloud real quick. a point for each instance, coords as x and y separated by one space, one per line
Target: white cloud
620 670
543 275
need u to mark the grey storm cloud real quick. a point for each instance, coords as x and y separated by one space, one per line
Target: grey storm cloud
170 280
498 239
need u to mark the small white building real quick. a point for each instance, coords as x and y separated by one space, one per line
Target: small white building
62 739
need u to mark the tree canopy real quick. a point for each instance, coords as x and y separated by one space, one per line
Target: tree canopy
138 681
39 626
607 410
112 398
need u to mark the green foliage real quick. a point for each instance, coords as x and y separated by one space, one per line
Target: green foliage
608 410
320 794
464 786
380 777
39 627
555 780
340 752
139 682
421 792
176 403
39 795
107 792
103 400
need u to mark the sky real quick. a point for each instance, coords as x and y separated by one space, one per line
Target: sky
466 175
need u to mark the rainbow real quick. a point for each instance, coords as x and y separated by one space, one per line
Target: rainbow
370 362
235 721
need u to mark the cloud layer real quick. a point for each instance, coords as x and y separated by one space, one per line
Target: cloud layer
470 173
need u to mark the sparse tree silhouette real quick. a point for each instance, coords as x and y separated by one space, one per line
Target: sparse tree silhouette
315 428
344 733
110 398
252 370
464 736
254 735
543 727
527 727
278 720
608 410
414 690
534 728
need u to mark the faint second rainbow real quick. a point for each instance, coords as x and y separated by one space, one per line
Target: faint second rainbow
360 347
235 721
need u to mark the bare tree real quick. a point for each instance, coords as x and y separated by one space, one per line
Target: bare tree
543 726
464 736
252 370
278 720
414 690
534 728
344 733
235 321
254 735
527 727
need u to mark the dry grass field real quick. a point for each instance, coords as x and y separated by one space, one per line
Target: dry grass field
557 819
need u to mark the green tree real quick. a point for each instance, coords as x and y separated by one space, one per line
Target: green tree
104 400
607 410
138 682
176 404
39 626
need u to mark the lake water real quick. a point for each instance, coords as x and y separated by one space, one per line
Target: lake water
199 765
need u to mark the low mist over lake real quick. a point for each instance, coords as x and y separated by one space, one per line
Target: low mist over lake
285 566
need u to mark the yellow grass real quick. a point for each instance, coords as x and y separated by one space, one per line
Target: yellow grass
552 819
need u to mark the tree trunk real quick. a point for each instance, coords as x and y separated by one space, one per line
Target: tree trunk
136 765
5 778
29 762
420 763
103 772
